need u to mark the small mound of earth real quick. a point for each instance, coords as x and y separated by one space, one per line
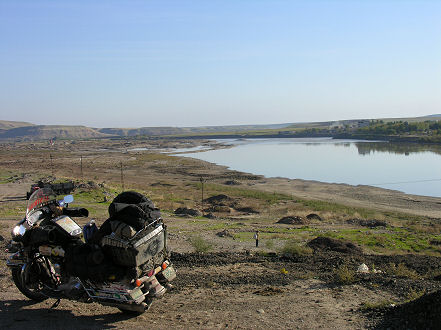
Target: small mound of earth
232 183
367 223
209 216
292 220
247 209
218 208
268 291
187 211
313 216
224 233
331 244
421 313
218 199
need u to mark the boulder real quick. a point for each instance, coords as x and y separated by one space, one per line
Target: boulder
187 211
232 183
247 209
218 200
372 223
292 220
313 216
224 233
218 208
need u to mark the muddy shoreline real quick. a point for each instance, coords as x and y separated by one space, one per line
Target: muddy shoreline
356 196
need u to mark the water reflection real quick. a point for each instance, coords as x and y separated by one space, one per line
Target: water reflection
367 148
409 167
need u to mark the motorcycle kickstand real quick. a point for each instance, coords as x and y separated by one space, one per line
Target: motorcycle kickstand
55 304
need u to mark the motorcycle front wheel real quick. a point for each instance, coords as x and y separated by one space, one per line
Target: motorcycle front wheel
30 290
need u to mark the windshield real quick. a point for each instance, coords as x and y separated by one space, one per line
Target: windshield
40 198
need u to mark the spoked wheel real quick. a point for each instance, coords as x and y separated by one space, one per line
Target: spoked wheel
32 279
32 290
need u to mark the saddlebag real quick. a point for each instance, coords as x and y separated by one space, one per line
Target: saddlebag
146 244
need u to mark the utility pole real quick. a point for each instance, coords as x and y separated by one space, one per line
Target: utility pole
122 176
81 167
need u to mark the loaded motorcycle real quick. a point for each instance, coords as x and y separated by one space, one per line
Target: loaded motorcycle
126 267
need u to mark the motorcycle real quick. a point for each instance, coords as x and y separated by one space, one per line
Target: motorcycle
51 258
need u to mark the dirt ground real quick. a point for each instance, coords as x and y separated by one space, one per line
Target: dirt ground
236 286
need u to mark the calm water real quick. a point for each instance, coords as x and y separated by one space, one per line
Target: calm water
411 168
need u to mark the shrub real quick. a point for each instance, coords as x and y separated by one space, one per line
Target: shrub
292 248
344 275
200 245
269 244
401 270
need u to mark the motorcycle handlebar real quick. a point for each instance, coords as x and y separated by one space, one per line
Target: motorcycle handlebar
76 212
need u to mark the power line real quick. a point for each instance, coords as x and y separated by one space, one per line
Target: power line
416 181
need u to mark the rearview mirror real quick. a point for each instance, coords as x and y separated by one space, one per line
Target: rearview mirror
66 200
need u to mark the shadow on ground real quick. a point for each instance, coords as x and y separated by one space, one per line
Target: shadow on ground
20 314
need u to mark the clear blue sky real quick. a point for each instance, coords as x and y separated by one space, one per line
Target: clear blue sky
191 63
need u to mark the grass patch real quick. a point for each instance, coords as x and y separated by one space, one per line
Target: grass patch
392 240
268 198
269 244
369 306
93 200
414 295
337 208
292 248
223 225
200 245
401 270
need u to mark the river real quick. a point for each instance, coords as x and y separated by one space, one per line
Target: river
407 167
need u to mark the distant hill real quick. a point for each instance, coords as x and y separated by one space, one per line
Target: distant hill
4 124
432 116
156 131
415 119
42 132
11 130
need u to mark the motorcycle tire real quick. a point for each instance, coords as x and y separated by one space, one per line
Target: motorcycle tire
35 296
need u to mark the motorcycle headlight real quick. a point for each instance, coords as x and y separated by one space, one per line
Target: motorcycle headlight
15 231
18 231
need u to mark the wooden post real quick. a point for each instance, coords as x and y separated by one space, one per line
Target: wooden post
81 167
